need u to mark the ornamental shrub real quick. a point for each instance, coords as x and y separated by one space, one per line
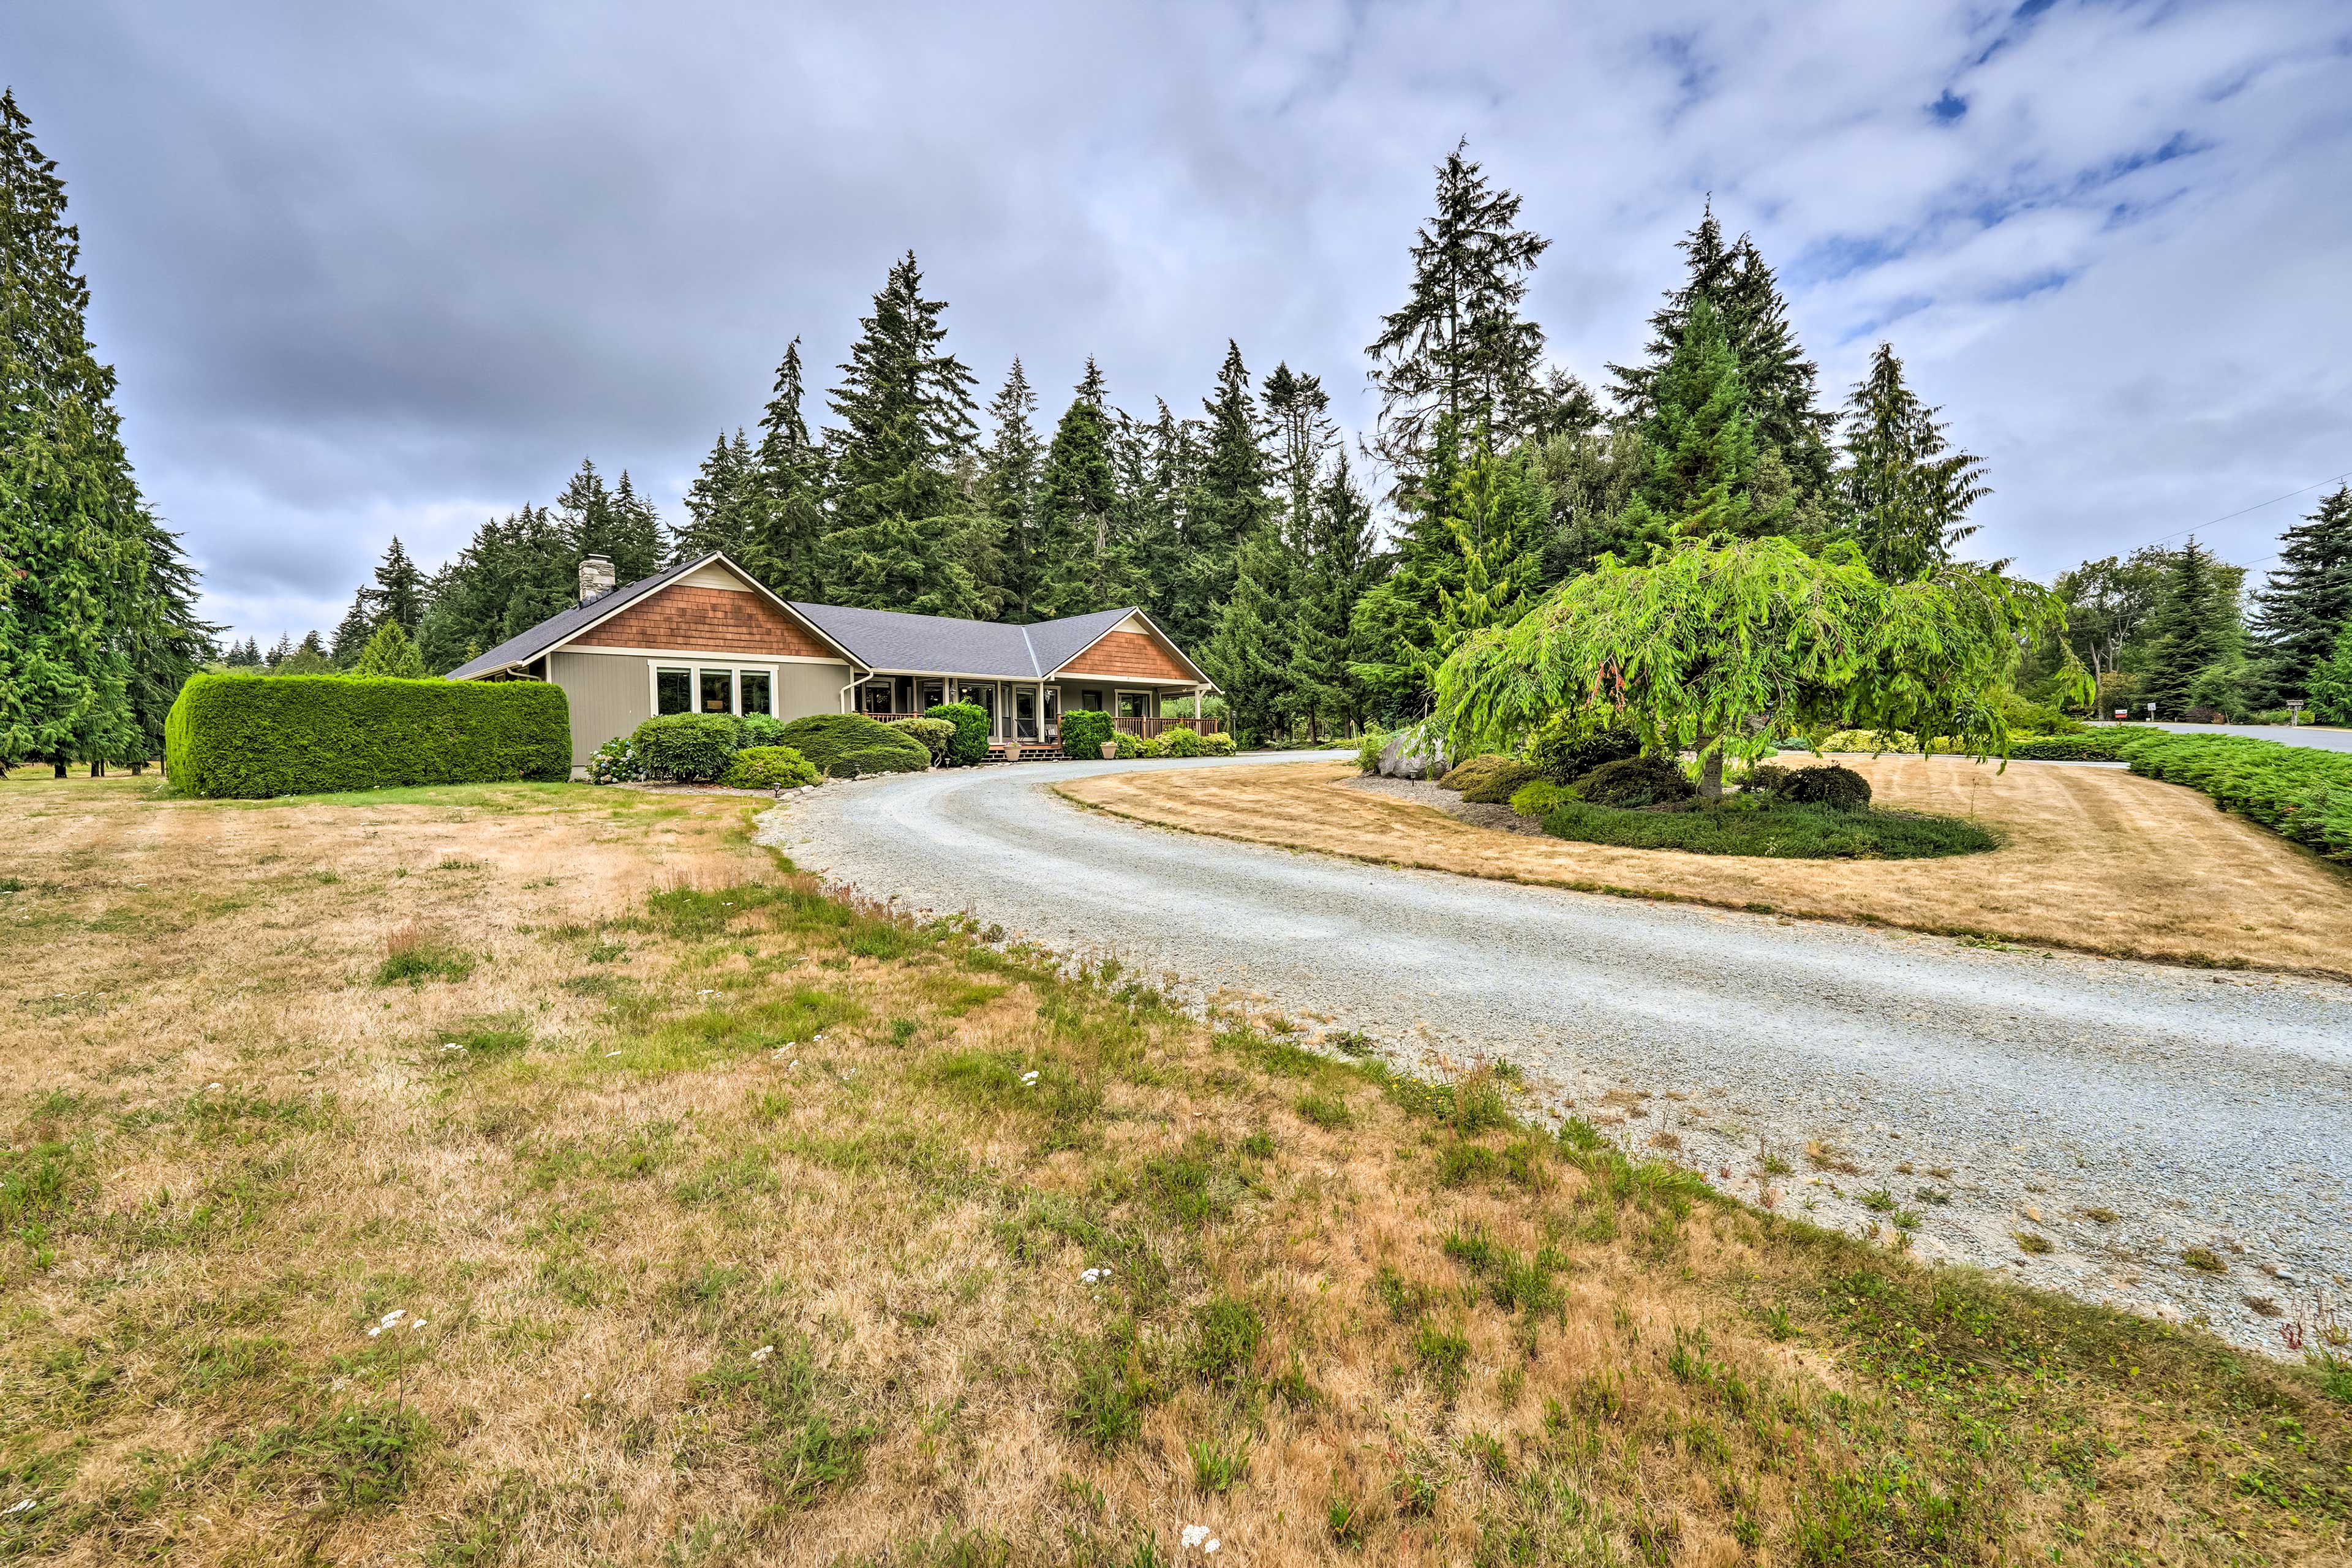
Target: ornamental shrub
851 745
1182 740
1564 753
1635 782
1220 744
2299 792
249 737
970 721
615 762
1832 785
688 748
1375 740
937 736
768 767
1539 797
1133 746
759 730
1500 784
2086 747
1765 778
1083 730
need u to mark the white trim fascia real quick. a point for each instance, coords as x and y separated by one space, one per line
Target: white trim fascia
689 655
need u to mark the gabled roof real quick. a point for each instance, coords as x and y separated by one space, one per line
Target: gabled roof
565 625
943 645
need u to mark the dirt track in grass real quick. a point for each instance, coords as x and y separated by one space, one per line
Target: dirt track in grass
2092 859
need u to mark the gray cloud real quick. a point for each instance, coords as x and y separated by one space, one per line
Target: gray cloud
394 271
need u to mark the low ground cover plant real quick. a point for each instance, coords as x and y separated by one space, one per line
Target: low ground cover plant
1771 826
851 745
782 1217
252 737
1636 782
1489 780
2300 792
687 748
969 747
2083 746
768 767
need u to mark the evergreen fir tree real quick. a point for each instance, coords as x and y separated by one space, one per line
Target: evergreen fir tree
2195 627
399 592
75 584
1248 654
243 656
899 564
1157 468
352 634
1905 492
2330 682
280 654
1227 504
785 551
636 536
391 654
1700 462
906 408
1298 412
616 523
1008 492
721 505
1499 516
1590 477
168 644
539 574
1458 350
1330 580
308 657
1080 565
2302 610
1781 383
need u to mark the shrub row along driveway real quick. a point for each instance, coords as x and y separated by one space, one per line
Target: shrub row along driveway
1985 1094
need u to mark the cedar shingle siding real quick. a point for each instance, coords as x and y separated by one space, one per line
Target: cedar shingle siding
685 618
1131 654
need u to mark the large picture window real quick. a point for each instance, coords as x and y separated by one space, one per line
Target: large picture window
718 691
673 692
757 688
1136 705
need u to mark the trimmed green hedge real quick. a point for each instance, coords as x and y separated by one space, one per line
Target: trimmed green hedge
249 737
1083 730
2298 792
1762 826
969 748
851 745
688 748
768 767
2085 746
938 736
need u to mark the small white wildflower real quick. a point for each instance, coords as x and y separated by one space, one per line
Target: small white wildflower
1194 1535
1029 1077
416 1322
394 1316
1212 1544
763 1352
373 1332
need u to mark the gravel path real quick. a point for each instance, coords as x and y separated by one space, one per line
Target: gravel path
2326 738
2124 1113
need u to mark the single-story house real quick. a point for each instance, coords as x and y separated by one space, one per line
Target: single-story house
704 637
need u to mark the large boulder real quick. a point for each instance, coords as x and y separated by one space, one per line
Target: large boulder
1418 753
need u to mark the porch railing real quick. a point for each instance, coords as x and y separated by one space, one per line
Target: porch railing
1149 729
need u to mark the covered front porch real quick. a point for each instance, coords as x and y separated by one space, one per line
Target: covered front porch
1024 716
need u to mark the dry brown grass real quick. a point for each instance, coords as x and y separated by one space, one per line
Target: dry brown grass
2093 859
231 1151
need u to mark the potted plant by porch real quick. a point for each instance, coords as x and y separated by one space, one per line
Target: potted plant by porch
1110 751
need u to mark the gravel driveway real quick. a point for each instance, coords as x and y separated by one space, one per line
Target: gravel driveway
2124 1112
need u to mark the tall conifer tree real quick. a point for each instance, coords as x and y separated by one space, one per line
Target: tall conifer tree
1907 491
2194 630
788 533
76 589
399 591
1228 502
1008 490
1081 564
2302 610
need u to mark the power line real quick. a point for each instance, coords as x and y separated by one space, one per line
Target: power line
2241 511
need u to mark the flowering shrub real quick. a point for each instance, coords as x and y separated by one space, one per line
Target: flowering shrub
615 762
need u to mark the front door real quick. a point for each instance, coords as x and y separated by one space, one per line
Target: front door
1025 713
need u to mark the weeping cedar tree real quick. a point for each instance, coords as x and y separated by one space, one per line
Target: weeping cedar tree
1713 644
1905 492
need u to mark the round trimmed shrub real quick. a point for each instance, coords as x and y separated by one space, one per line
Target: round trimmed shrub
1765 778
969 747
1083 730
1537 797
851 745
1632 783
1133 746
1184 741
1500 784
1218 745
937 736
687 748
1565 753
768 767
1834 786
760 729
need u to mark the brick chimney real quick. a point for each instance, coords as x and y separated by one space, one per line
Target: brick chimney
595 578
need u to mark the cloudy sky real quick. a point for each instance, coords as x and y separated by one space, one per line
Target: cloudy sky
381 269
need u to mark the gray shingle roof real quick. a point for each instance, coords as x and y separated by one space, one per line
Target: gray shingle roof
891 639
528 645
879 639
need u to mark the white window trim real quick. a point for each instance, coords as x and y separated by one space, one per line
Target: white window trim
1150 698
735 669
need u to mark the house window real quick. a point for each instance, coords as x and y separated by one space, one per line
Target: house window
1091 701
758 688
718 691
673 692
1135 705
874 699
934 693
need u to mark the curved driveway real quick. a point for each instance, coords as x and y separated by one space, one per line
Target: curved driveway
2024 1091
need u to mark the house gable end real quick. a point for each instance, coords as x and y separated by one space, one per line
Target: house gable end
696 618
